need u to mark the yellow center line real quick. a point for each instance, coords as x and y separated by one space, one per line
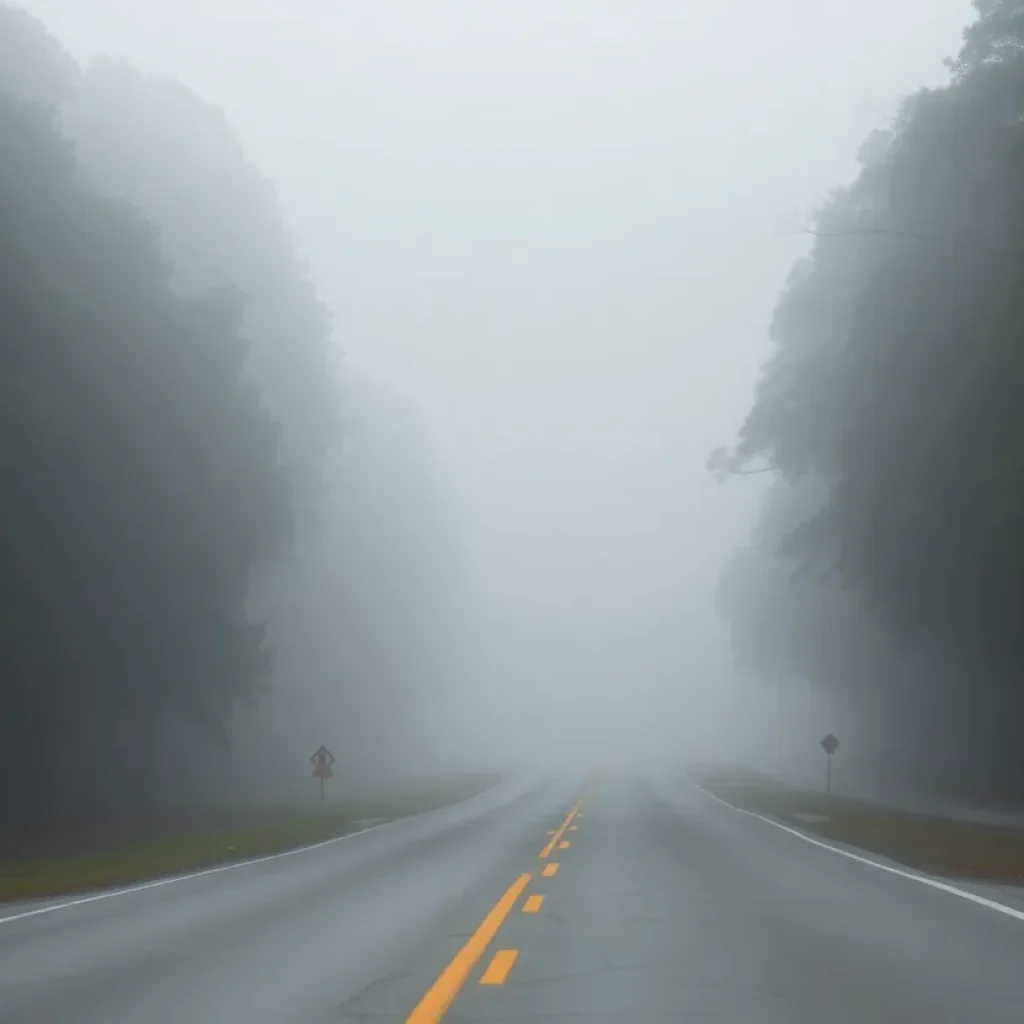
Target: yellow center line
431 1008
498 968
557 837
550 869
533 903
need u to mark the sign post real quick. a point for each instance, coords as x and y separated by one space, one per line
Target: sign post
830 745
321 762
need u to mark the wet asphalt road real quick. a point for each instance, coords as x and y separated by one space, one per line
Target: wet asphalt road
665 906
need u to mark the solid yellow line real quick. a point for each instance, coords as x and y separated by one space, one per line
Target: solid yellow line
550 869
533 903
498 968
564 844
439 996
553 841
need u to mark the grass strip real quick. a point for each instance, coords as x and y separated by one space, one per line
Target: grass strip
929 844
194 850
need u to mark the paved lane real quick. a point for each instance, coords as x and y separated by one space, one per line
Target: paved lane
644 902
667 906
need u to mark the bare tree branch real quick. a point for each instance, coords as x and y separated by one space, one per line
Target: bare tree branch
723 464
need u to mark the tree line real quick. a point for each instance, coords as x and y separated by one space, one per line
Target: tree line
888 564
175 465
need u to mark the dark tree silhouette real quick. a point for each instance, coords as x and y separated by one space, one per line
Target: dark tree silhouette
895 397
142 483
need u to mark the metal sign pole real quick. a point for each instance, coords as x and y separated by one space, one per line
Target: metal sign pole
830 745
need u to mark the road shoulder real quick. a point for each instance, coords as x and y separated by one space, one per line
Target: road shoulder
980 855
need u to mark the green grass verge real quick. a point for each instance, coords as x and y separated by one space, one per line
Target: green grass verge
192 850
938 846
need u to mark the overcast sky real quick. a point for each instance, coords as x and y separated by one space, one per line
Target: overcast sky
560 227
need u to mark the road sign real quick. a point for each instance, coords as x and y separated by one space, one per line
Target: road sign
321 761
830 745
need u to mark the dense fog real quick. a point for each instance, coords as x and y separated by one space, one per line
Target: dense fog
471 386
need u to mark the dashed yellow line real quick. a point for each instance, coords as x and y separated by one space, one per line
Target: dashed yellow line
497 970
556 838
439 996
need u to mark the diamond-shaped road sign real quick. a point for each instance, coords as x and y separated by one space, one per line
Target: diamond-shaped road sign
321 762
830 744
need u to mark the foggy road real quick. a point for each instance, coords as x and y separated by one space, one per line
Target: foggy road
664 906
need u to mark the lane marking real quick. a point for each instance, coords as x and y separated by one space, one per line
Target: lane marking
497 970
431 1008
550 869
964 894
554 840
157 883
551 832
533 904
564 844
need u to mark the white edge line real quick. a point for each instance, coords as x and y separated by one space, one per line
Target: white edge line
964 894
49 908
156 883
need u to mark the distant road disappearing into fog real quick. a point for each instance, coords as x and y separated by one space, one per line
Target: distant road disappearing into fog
619 900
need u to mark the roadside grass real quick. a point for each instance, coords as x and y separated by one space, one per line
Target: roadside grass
190 849
931 845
